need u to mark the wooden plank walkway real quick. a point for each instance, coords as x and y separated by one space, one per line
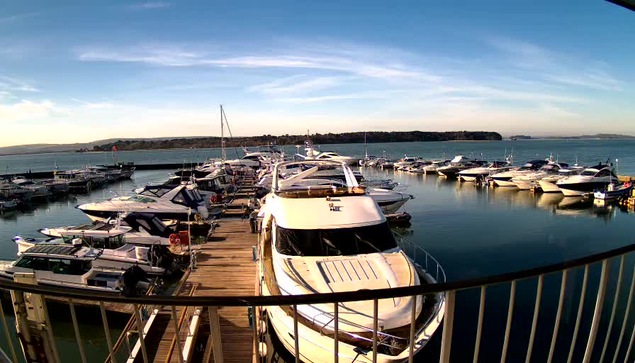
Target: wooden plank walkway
225 267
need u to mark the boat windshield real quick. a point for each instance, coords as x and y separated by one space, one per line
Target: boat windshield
335 242
141 199
589 172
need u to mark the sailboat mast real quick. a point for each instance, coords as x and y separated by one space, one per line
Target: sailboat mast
222 136
365 147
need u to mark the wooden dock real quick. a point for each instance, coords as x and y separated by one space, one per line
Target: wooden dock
225 267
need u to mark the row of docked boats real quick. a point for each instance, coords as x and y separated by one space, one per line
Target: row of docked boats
20 189
548 175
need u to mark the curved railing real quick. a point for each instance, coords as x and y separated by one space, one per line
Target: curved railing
449 289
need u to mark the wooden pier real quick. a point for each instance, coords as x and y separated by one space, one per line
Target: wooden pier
225 267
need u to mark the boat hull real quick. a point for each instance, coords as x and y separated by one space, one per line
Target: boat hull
549 186
580 189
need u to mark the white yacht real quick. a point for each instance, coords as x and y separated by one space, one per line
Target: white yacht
132 228
434 166
526 181
66 266
480 173
591 179
548 183
406 162
458 164
335 239
182 202
389 201
39 191
504 179
110 252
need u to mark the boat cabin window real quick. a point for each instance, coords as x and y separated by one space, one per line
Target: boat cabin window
251 157
187 197
334 242
57 266
141 199
603 173
97 242
155 191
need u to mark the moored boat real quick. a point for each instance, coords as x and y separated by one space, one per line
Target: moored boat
336 239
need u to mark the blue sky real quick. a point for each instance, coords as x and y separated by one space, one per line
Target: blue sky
73 71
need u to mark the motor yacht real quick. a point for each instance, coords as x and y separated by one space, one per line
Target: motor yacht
39 190
458 164
389 201
526 181
504 179
182 202
591 179
434 166
110 252
325 239
405 162
67 266
131 228
482 172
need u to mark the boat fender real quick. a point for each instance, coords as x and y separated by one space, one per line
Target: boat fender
174 239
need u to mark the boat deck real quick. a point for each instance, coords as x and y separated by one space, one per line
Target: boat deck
225 267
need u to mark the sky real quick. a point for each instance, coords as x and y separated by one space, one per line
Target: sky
78 71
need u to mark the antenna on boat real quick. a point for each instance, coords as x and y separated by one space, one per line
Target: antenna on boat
365 147
222 136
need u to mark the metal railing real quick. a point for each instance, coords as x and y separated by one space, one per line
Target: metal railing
607 333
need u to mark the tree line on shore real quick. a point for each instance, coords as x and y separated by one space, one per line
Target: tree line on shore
330 138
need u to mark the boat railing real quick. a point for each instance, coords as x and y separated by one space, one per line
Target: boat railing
595 324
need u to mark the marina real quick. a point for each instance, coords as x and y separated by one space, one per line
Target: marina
230 252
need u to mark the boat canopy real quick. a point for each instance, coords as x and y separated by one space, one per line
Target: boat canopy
150 222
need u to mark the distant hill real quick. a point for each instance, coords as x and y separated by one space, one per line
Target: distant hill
596 136
214 141
322 139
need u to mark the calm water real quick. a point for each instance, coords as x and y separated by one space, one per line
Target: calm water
473 231
586 151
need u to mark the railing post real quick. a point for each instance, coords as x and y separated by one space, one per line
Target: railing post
375 328
510 315
597 313
479 324
78 335
556 327
177 333
296 334
104 320
579 316
446 338
614 308
142 341
413 326
336 332
214 328
534 322
7 334
626 313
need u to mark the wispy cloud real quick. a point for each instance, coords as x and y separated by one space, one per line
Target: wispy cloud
171 56
26 110
553 66
94 105
296 84
12 84
150 5
17 17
